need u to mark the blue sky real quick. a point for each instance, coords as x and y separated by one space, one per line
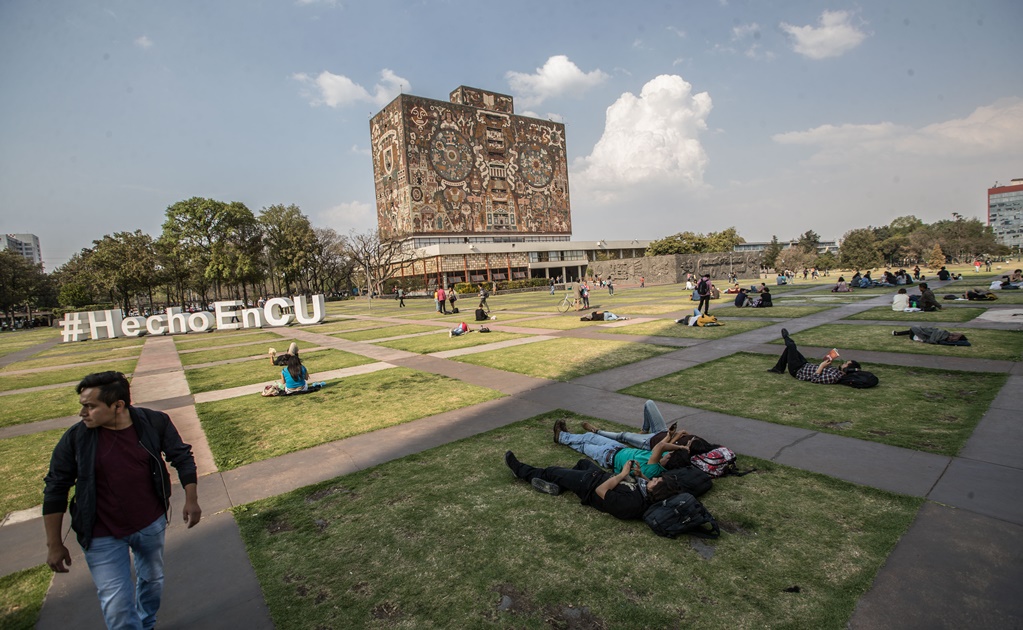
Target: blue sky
773 117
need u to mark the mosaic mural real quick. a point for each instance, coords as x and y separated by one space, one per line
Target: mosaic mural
468 167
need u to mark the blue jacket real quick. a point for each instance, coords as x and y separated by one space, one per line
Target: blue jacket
74 463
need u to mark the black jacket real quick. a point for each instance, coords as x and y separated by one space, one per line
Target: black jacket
74 463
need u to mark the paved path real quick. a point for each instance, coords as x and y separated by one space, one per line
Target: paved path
960 562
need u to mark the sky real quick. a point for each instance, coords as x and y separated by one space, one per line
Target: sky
772 117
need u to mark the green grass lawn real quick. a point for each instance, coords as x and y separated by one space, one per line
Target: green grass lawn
389 331
564 359
87 352
436 540
963 314
24 461
21 597
568 321
1008 297
15 341
260 371
237 352
668 328
346 324
1004 345
33 406
774 311
428 344
250 429
196 341
68 375
916 408
660 308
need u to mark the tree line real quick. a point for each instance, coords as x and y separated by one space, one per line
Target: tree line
208 250
905 241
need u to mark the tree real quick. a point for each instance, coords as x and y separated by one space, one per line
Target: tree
192 229
894 248
126 263
794 258
859 250
378 259
809 241
289 241
825 261
332 266
905 225
723 241
936 260
770 257
76 281
681 243
20 280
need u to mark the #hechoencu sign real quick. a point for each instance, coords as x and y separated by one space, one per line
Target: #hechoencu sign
226 315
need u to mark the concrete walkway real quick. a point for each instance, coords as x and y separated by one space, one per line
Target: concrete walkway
960 562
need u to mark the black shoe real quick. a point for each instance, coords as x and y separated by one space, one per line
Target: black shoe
774 371
559 426
511 462
546 487
784 333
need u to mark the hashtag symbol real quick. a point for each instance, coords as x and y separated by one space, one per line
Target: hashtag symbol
72 324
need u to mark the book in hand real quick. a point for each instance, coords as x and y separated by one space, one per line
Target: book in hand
832 354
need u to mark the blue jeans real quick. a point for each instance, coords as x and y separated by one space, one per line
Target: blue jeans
110 565
653 423
596 447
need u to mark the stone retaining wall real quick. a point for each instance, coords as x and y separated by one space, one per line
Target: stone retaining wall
673 269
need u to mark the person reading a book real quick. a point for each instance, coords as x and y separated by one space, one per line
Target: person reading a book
797 365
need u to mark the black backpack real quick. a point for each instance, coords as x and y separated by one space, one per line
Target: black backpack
859 379
681 514
688 479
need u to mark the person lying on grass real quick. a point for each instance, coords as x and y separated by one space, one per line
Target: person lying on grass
616 455
653 432
281 360
797 365
612 494
938 336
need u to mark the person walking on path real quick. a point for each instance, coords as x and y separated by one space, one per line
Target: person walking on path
122 496
401 297
484 294
703 290
610 286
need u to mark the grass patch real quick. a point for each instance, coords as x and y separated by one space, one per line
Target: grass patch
345 324
33 406
917 408
250 429
388 331
466 533
216 377
14 341
1007 297
565 322
660 308
21 597
69 375
236 352
91 352
195 341
564 359
428 344
24 461
666 328
964 314
774 311
1004 345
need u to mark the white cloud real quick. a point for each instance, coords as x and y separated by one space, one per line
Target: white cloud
144 42
346 216
337 90
558 77
677 31
652 138
743 31
989 130
834 36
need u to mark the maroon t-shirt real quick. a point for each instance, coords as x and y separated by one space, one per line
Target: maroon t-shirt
126 500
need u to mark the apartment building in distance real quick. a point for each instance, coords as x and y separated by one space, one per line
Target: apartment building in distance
1005 213
25 244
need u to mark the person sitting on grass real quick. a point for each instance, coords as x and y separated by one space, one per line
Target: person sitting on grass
927 300
764 301
612 494
742 299
841 287
280 360
797 365
615 455
295 377
901 301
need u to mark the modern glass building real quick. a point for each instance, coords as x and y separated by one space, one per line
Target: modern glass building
1005 213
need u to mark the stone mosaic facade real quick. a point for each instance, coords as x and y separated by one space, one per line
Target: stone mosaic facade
469 166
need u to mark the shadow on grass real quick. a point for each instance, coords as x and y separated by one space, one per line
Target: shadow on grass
471 536
1003 345
916 408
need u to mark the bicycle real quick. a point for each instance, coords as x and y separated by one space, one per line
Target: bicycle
566 303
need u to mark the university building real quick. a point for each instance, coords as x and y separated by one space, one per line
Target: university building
476 193
25 244
1005 213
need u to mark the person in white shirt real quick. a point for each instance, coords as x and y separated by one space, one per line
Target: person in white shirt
901 301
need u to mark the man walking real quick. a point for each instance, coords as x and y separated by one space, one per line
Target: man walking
703 290
122 495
